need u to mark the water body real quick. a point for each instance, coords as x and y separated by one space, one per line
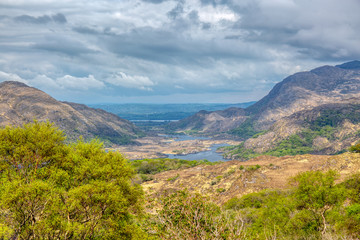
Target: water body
149 121
210 155
178 138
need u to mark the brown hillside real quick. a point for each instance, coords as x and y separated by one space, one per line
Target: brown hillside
238 178
20 104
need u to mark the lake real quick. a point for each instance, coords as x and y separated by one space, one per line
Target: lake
210 155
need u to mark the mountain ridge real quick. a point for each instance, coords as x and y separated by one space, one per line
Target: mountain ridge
265 122
21 104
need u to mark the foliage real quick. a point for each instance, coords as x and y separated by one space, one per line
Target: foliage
315 193
300 143
266 213
239 152
245 130
313 208
147 167
335 117
355 148
191 216
50 190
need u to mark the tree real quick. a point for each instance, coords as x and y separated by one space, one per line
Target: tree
191 216
355 148
315 193
51 190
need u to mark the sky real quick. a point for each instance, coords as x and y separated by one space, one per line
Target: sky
171 51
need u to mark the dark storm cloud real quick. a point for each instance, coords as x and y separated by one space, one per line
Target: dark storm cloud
58 18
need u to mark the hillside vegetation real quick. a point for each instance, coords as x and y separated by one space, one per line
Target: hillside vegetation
329 129
53 190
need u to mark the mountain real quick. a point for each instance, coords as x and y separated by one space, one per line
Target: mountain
283 117
211 122
20 104
306 90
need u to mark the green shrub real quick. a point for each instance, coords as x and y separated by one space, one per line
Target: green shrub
50 190
173 179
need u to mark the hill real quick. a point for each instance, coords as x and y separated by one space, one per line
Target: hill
210 122
299 110
230 179
306 90
20 104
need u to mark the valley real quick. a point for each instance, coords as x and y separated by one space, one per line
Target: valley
178 146
235 159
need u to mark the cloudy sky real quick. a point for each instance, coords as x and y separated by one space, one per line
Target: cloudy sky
158 51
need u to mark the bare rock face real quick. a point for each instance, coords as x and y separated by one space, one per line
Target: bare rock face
21 104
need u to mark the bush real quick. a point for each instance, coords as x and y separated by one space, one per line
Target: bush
191 216
50 190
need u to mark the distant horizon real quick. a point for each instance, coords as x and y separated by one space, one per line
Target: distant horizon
143 103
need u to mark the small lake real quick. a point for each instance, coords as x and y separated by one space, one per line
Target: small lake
178 138
210 155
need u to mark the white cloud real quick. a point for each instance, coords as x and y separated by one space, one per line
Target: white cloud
79 83
45 82
66 83
11 77
128 81
213 15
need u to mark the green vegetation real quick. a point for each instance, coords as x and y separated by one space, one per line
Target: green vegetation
335 117
355 148
300 143
238 152
146 168
53 190
50 190
313 207
173 179
325 125
185 215
246 130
